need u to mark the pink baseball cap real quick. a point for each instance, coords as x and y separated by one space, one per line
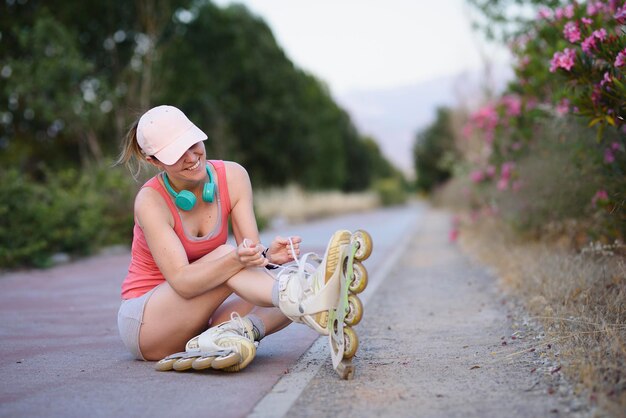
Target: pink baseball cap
166 133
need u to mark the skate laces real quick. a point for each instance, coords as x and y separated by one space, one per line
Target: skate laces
303 267
235 325
218 338
299 262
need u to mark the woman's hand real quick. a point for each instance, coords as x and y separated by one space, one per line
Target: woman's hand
250 255
280 251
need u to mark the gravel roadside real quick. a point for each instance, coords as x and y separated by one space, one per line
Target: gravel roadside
438 340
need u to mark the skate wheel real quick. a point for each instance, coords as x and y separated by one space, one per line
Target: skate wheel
183 364
365 245
355 310
202 363
165 365
228 360
351 343
359 278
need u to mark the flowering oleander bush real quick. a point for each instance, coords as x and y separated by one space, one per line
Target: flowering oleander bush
560 123
548 156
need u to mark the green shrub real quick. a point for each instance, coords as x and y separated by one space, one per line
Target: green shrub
68 211
23 221
391 191
555 186
557 183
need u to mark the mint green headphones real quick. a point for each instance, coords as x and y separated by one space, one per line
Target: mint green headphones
186 199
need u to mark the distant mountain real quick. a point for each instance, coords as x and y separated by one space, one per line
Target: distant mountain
394 116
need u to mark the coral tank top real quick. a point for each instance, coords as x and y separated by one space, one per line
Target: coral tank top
143 273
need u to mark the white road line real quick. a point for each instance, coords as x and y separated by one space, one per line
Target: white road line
287 390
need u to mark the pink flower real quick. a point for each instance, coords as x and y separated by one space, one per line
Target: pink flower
601 197
594 7
620 60
503 184
586 21
606 79
453 235
613 7
589 44
620 16
558 13
615 146
600 34
563 60
544 13
512 104
562 107
608 156
477 176
486 119
491 170
571 32
568 11
506 170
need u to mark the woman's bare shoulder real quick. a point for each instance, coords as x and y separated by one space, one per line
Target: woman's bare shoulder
149 204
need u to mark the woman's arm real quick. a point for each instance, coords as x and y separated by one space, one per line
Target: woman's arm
242 212
244 221
187 279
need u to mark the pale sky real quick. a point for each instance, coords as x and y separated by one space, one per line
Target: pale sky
372 54
372 44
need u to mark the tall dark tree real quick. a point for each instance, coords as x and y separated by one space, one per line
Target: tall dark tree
432 151
75 74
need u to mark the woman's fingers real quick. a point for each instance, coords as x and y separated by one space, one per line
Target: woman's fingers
250 255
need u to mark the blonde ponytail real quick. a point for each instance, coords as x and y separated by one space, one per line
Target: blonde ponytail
131 155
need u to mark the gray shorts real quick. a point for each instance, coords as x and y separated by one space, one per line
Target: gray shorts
129 321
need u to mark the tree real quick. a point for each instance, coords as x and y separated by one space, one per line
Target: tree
431 152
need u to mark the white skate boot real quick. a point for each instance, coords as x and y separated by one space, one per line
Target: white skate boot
325 296
229 347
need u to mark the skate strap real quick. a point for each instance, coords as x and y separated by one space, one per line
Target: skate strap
206 340
325 298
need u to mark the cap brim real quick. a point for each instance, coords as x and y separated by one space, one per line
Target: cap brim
172 153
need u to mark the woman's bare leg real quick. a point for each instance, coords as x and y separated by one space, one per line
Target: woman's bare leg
170 320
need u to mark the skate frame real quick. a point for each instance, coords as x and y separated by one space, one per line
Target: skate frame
344 367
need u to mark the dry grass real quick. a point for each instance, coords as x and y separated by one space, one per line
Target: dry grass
579 298
292 204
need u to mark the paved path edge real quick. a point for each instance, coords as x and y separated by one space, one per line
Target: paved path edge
287 390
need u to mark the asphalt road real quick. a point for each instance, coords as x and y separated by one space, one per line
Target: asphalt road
61 355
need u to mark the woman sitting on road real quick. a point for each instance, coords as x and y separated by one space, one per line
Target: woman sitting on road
182 272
